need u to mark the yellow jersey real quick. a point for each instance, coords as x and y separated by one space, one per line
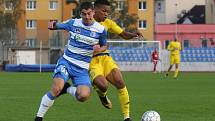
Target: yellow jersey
174 47
111 27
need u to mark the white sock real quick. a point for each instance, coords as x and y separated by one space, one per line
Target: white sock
72 91
45 104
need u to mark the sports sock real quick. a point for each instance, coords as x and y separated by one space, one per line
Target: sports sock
72 91
176 73
46 102
124 101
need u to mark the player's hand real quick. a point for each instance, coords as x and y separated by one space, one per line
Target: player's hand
139 34
51 25
96 48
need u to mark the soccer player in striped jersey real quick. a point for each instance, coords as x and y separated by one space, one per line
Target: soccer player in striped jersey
86 36
174 47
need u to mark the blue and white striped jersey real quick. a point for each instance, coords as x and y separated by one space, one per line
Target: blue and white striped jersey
82 38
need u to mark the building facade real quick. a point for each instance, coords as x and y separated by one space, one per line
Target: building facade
210 11
145 11
190 35
32 26
169 11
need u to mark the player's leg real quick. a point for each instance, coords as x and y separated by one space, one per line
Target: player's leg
48 99
65 89
171 64
168 71
60 77
155 65
82 86
115 78
83 93
176 71
177 61
100 83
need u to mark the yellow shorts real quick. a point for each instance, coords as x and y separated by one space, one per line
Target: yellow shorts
174 59
101 65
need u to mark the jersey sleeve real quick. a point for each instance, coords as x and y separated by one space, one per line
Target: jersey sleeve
114 28
102 40
65 25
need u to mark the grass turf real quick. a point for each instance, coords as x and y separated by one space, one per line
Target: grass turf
190 98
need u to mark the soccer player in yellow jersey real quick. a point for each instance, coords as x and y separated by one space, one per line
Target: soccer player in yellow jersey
174 47
103 68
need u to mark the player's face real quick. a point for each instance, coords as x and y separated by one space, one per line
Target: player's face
87 16
101 12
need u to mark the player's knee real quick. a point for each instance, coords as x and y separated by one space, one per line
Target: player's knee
119 84
103 87
82 97
101 83
55 90
57 86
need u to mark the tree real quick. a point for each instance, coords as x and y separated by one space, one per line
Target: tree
123 18
9 17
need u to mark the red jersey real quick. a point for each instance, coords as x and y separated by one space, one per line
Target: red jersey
155 55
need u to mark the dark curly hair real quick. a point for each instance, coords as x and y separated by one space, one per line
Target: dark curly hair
101 2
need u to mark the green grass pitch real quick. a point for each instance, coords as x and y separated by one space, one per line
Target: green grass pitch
190 98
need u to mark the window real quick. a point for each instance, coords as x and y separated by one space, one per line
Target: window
31 5
159 6
120 5
8 5
142 24
204 43
186 44
142 5
55 42
53 5
30 43
31 24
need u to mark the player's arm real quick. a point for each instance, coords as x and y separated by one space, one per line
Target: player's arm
116 29
169 47
98 48
102 46
54 25
128 35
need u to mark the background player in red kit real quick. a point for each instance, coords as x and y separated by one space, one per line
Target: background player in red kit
155 58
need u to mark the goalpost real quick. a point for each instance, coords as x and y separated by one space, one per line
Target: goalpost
135 55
